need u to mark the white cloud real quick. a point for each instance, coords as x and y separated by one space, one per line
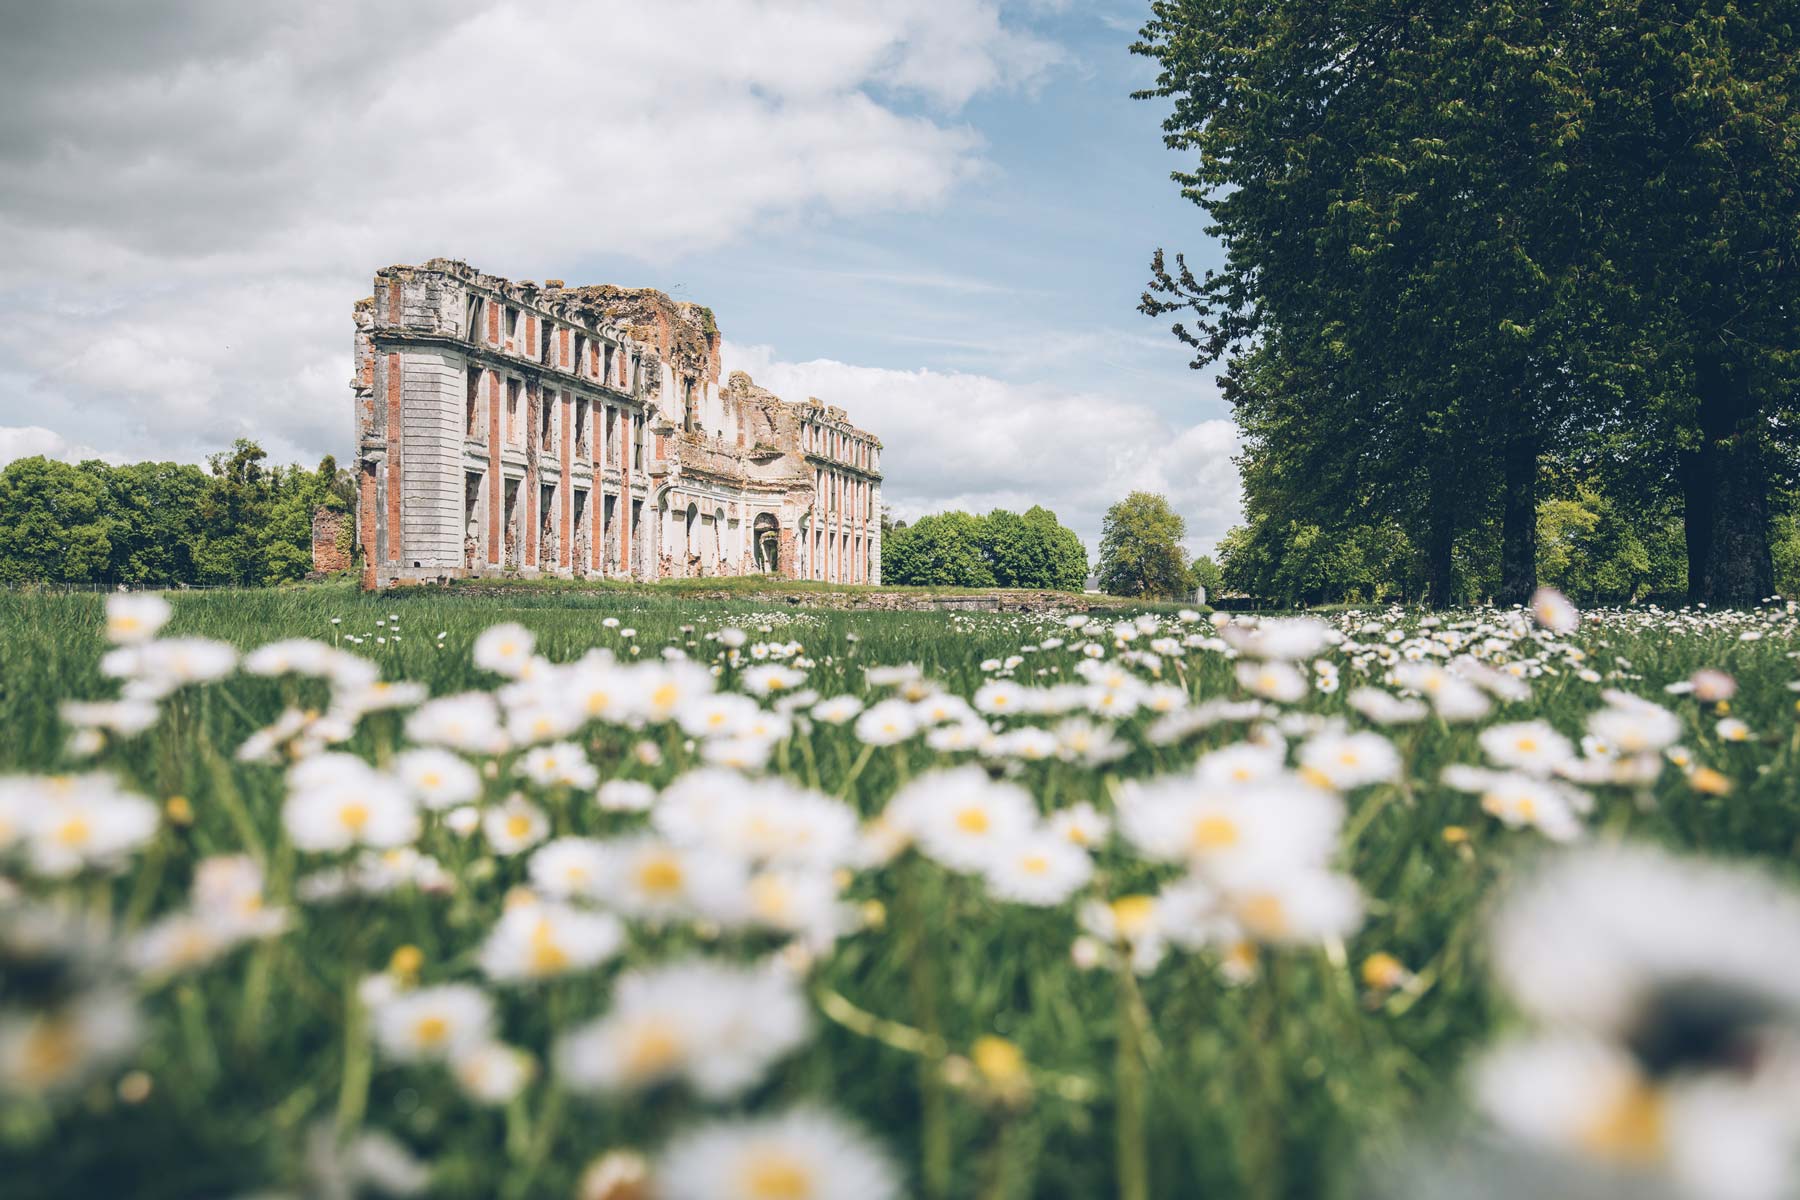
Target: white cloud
192 193
974 442
27 441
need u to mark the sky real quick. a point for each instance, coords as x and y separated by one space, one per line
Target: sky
936 214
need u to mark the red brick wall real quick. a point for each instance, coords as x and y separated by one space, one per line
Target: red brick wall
331 540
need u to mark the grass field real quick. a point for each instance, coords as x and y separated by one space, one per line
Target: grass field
1079 966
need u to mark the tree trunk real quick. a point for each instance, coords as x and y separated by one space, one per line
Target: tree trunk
1727 486
1518 515
1440 545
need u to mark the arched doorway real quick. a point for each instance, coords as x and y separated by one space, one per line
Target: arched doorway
766 537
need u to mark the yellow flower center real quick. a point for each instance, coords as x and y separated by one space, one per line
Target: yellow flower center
597 702
431 1031
1132 914
664 696
1034 864
972 820
1215 833
518 825
354 816
1264 915
74 832
547 957
653 1050
51 1051
660 875
1631 1129
770 897
776 1175
998 1059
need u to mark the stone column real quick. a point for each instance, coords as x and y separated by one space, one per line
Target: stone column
565 540
496 482
625 491
395 427
598 495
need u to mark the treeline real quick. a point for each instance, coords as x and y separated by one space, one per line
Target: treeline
238 522
1510 292
1001 549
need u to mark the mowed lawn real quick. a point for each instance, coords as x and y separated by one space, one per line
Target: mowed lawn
987 1041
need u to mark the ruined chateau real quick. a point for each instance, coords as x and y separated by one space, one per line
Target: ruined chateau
512 428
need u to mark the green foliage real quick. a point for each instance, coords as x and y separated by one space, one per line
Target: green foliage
1002 549
1470 247
1206 573
1140 548
161 523
55 522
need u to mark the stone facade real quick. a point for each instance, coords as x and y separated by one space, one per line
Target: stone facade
516 429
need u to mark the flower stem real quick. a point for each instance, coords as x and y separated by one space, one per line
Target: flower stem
1133 1161
934 1099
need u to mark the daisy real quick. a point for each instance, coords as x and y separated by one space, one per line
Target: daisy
647 877
625 795
1350 760
515 826
469 722
504 649
1552 610
1000 697
1272 680
492 1073
433 1023
74 823
45 1050
568 867
561 764
337 801
838 710
1080 824
719 1027
887 723
1040 869
540 940
437 778
962 818
132 618
1532 746
802 1154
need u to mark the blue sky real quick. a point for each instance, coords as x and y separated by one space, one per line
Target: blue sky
936 213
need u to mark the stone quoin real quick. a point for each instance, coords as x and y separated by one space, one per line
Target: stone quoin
515 429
